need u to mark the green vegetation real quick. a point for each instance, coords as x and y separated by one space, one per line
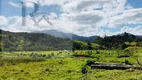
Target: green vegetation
66 65
34 56
45 42
119 41
32 42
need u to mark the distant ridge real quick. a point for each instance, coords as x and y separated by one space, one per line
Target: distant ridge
23 41
138 36
68 35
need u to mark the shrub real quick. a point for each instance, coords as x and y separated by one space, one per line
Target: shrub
127 62
44 55
52 54
47 69
60 62
90 62
69 71
49 56
84 70
1 63
1 78
22 70
126 53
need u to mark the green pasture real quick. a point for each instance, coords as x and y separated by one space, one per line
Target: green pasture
67 65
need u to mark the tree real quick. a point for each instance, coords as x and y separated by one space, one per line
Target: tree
20 46
89 46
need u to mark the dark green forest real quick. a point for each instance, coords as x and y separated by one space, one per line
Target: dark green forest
32 42
43 42
121 41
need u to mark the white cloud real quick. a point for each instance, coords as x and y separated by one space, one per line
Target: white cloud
132 16
85 17
27 3
14 4
30 3
136 30
81 5
3 21
14 24
53 2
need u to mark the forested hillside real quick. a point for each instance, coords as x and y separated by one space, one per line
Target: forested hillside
120 41
33 42
43 42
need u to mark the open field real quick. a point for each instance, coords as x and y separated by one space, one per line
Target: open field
66 65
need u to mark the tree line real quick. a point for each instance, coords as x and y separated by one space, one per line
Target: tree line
43 42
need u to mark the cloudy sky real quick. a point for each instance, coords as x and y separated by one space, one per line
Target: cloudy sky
82 17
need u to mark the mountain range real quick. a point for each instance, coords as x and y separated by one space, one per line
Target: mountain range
72 36
68 35
43 41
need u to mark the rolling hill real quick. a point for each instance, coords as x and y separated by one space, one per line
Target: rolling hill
68 35
42 41
32 42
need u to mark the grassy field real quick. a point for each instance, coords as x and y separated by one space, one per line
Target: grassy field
66 65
